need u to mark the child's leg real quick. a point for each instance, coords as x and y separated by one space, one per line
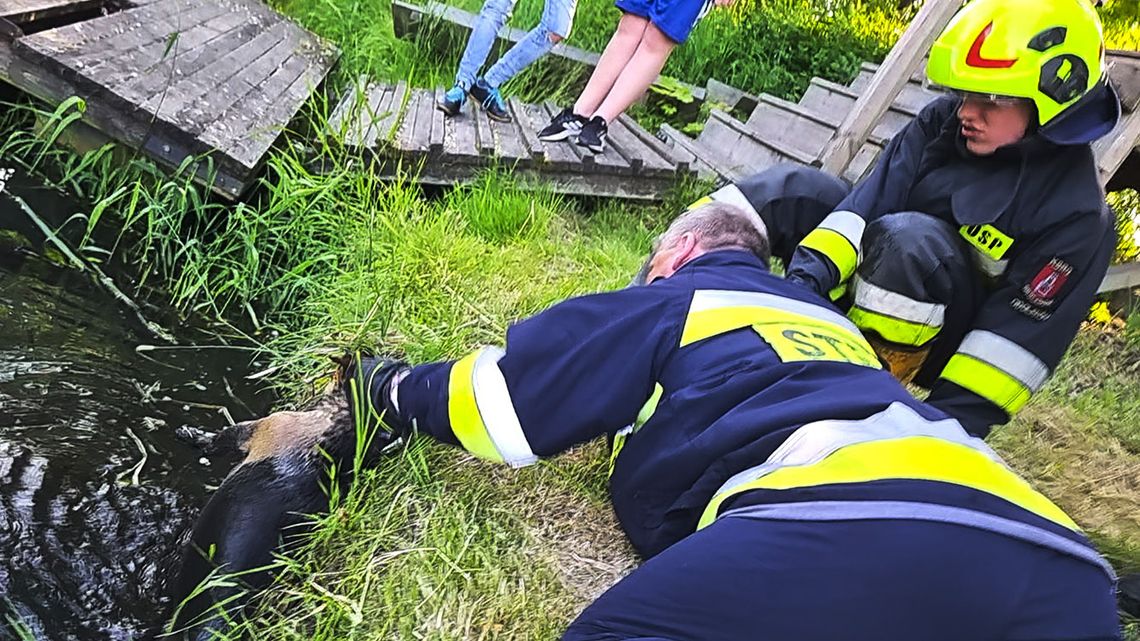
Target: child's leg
492 17
640 72
557 17
617 54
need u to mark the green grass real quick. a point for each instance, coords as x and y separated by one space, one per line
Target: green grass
433 544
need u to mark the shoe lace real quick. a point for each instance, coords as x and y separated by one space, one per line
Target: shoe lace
565 117
494 98
455 93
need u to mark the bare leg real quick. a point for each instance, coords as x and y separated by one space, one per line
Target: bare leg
637 75
618 52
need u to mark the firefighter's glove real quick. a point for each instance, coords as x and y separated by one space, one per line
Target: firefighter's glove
369 384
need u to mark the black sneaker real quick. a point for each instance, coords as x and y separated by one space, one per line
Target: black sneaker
491 101
452 101
593 134
565 124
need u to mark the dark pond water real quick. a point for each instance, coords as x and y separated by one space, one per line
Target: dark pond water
95 490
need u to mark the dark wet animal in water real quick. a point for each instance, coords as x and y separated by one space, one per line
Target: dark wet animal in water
262 506
1128 594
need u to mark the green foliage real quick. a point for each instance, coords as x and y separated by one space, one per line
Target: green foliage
1126 204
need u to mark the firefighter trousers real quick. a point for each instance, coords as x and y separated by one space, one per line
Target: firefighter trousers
915 285
874 580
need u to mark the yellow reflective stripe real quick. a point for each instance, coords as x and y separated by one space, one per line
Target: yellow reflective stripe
463 412
703 201
987 239
835 247
914 457
987 381
837 292
714 312
643 417
891 329
649 408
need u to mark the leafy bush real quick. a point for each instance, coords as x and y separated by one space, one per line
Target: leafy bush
1126 204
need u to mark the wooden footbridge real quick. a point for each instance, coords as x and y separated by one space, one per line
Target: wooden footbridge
403 130
220 79
175 79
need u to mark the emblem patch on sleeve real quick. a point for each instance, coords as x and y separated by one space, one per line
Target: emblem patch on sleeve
1043 289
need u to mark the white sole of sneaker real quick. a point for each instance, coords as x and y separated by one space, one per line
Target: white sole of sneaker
562 135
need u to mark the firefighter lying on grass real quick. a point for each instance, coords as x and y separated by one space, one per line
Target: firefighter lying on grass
780 483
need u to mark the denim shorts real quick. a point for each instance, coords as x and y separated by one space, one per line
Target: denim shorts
675 18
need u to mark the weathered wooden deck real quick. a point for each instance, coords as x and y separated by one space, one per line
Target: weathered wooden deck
24 12
404 131
178 78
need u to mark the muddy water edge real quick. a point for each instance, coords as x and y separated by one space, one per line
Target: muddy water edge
95 489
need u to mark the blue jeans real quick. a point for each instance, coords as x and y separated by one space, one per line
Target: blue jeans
557 18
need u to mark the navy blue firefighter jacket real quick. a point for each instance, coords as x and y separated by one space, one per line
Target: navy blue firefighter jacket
741 359
1041 235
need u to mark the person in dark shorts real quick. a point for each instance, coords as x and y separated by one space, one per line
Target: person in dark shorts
645 36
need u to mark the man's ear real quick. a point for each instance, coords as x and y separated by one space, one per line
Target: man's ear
686 250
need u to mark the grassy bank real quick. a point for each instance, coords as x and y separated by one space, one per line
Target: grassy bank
435 545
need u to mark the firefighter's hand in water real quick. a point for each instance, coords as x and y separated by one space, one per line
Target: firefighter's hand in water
369 384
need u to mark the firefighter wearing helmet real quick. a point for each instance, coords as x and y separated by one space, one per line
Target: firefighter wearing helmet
973 250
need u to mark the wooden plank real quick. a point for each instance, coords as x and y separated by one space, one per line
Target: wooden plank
207 80
249 115
509 144
703 162
729 95
460 139
23 12
1125 74
215 104
681 163
425 112
1112 150
95 59
157 82
1124 276
72 37
278 114
404 139
529 134
377 107
383 132
438 126
627 146
900 64
483 134
649 161
130 65
564 181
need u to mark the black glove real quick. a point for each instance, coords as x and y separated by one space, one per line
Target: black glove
367 382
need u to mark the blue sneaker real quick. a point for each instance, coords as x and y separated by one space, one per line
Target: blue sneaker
491 101
452 101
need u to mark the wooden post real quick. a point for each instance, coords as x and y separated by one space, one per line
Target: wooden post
891 77
1113 149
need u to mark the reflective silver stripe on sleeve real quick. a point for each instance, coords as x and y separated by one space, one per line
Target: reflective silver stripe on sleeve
915 511
497 411
989 266
732 195
847 224
707 299
873 298
814 442
1006 355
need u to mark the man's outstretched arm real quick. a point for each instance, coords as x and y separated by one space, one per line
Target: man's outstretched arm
580 369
